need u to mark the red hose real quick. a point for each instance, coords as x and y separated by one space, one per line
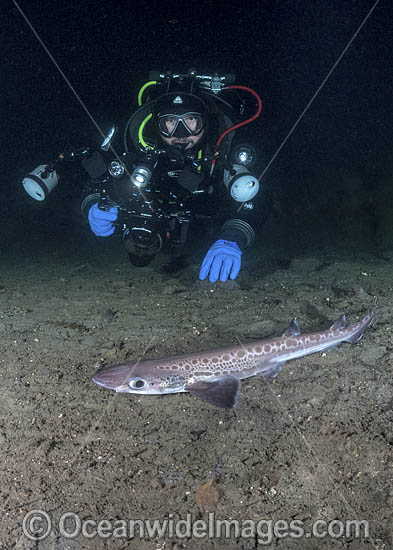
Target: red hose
244 121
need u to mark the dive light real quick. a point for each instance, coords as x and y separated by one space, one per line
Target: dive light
244 154
141 176
116 168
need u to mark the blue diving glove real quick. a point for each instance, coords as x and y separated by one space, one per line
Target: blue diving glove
100 221
223 259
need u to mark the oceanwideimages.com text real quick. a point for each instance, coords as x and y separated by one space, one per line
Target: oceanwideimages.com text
38 525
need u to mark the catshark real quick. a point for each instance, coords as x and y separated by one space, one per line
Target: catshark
214 376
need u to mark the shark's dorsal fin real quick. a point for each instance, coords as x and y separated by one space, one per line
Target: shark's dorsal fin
292 330
340 323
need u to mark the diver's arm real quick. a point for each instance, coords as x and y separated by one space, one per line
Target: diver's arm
238 231
247 206
101 217
223 259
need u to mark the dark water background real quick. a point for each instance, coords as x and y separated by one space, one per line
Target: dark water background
332 180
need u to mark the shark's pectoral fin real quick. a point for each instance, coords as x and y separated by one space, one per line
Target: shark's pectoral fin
271 370
223 392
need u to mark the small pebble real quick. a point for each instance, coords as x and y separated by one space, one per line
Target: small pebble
157 483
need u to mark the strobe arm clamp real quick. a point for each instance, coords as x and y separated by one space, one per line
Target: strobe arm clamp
69 154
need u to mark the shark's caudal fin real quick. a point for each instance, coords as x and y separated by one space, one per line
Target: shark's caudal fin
223 392
363 325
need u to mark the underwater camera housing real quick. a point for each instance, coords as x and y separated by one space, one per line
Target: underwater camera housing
142 244
148 216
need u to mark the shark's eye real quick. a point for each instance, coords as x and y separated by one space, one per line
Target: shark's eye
137 383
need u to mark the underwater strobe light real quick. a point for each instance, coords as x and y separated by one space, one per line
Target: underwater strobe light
241 185
40 182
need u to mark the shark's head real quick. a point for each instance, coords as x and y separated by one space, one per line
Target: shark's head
141 377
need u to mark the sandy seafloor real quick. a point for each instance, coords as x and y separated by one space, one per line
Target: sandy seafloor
314 444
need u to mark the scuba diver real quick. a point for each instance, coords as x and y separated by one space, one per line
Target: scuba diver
179 166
